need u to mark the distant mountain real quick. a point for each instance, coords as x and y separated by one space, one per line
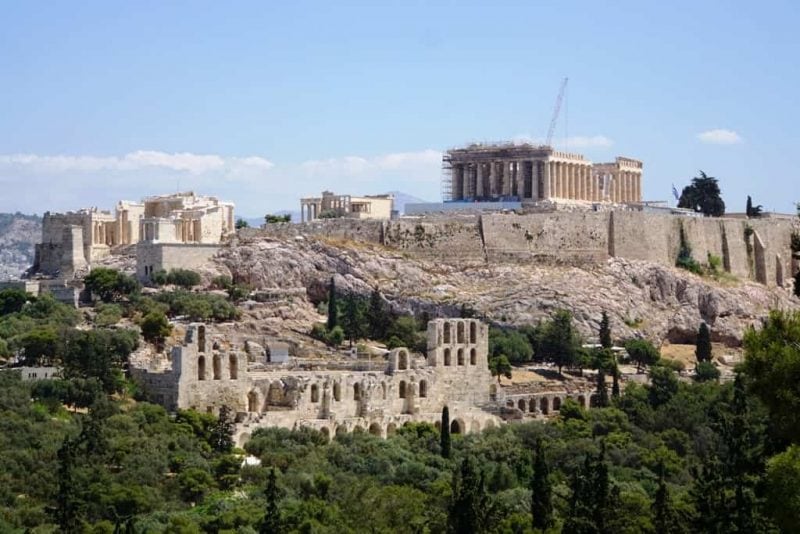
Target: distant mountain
401 199
18 235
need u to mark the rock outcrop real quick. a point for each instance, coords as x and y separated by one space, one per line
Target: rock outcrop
18 234
642 299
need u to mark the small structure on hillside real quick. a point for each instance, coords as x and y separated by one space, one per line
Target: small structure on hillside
331 205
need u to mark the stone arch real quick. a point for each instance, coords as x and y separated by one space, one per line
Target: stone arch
252 401
375 429
217 367
337 391
358 429
325 432
473 332
341 430
201 368
314 393
493 391
447 357
233 366
423 388
556 404
544 405
460 332
402 360
460 356
521 405
779 278
532 405
582 401
457 427
356 391
447 332
473 357
402 389
391 428
475 427
383 389
489 424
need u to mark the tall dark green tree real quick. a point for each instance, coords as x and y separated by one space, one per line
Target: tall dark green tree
797 284
469 510
560 343
703 344
223 430
708 496
753 211
541 490
615 384
333 307
665 517
444 437
601 389
271 523
377 316
703 195
605 332
67 499
642 352
353 321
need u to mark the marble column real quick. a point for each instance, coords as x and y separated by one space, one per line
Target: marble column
546 180
465 182
493 178
562 179
481 170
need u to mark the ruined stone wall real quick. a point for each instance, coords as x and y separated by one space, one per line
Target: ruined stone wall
367 231
449 239
573 237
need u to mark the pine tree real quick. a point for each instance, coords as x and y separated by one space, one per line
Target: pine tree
445 433
594 500
377 317
67 502
541 491
271 524
602 391
615 383
703 345
708 495
222 431
333 311
605 332
468 508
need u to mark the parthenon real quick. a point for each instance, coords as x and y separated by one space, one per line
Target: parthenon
532 173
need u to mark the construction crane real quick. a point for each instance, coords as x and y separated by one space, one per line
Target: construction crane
556 111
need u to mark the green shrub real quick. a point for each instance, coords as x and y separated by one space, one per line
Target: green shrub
108 314
706 371
155 328
111 285
159 278
336 336
184 278
198 306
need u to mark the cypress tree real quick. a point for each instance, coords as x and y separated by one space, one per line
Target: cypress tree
468 508
377 316
605 332
353 319
67 500
445 433
749 206
271 524
703 345
602 391
615 383
797 284
333 312
541 491
665 519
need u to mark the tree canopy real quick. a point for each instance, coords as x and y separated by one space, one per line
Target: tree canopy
703 195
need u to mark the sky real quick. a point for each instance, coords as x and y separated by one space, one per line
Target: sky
262 102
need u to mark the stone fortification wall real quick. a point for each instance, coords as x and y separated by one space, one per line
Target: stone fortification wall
573 237
450 239
368 231
154 257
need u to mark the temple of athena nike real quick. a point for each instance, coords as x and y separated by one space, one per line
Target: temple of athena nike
530 173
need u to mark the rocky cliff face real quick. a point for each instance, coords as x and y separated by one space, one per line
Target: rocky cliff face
18 234
642 299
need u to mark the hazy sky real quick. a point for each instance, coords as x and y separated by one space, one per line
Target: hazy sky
265 102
